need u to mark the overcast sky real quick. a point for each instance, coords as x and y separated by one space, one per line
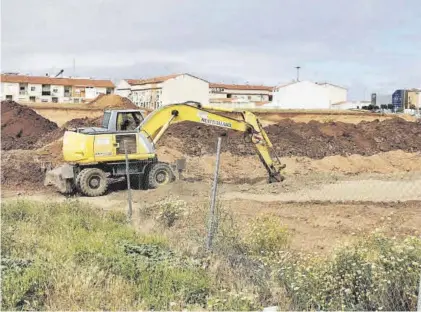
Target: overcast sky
365 45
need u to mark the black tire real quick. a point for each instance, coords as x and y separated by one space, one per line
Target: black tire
158 174
92 182
77 183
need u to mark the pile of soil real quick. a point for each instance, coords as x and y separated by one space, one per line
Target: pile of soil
83 122
22 169
111 101
314 139
22 127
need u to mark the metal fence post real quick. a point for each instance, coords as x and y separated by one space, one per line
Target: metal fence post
129 190
419 295
211 229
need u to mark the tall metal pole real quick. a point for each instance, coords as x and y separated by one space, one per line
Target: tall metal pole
298 72
213 198
129 190
419 296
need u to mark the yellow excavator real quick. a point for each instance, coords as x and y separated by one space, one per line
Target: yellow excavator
93 155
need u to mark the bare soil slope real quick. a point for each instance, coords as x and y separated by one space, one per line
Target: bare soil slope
22 127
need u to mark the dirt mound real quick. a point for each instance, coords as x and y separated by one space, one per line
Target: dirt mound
22 169
111 101
22 127
83 122
314 139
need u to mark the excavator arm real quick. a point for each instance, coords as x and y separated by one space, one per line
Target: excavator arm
156 123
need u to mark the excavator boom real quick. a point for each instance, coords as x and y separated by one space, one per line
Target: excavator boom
155 125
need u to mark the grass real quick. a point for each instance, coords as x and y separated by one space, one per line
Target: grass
70 256
79 260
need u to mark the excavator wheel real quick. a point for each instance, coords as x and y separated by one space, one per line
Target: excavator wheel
92 182
158 174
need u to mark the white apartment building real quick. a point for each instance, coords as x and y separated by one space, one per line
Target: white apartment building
155 92
23 88
251 93
307 95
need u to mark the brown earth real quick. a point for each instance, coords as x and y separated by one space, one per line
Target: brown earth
83 122
314 139
111 101
22 127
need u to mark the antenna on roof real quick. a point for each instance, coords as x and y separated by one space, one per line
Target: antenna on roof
298 72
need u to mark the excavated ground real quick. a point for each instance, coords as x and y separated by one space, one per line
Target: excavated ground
305 147
314 139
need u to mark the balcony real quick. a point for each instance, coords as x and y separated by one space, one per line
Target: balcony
23 92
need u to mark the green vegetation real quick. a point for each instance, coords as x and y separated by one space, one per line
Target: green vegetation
69 256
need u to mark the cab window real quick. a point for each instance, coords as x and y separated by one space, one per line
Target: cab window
128 121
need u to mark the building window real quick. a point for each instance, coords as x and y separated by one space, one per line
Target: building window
32 98
46 90
249 97
109 91
32 88
55 90
22 88
229 96
9 97
75 100
55 99
67 91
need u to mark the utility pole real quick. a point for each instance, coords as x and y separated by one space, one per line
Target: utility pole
298 72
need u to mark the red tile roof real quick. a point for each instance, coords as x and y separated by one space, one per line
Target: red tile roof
240 87
57 81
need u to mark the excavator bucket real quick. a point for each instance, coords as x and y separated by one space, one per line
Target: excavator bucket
61 178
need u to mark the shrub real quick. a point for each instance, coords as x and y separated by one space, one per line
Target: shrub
166 211
266 236
378 273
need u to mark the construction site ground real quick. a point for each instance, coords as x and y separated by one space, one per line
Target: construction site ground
343 179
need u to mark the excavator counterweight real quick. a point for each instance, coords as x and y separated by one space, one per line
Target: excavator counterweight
95 154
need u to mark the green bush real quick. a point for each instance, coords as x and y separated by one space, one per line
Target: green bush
377 273
266 236
166 211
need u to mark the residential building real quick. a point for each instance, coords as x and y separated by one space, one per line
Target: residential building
22 88
252 93
336 93
155 92
307 95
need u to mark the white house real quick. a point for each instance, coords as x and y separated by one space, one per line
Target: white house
251 93
336 93
307 95
22 88
155 92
